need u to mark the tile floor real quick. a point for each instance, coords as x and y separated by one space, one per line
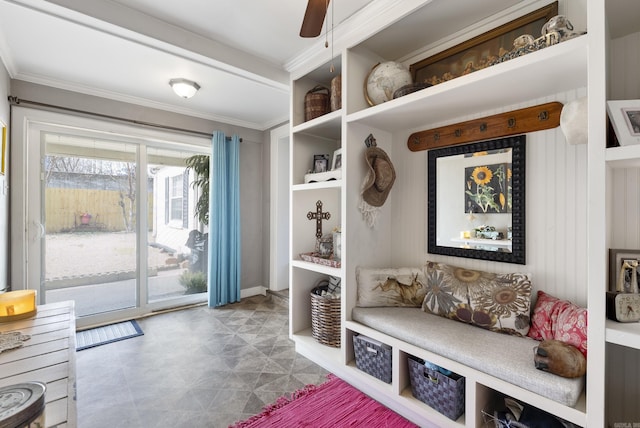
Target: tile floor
197 367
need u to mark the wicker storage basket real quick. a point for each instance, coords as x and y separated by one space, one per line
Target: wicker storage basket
325 318
316 102
441 392
373 357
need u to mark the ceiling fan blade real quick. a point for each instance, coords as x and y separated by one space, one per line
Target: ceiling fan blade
314 18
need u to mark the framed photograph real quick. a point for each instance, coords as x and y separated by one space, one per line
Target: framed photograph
478 52
320 163
625 119
337 160
325 246
621 263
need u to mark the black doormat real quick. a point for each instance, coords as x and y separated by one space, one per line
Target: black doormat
107 334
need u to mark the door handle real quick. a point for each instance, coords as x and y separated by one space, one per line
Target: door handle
38 230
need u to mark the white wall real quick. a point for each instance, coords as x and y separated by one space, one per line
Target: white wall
4 192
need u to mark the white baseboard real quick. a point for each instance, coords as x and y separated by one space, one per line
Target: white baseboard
253 291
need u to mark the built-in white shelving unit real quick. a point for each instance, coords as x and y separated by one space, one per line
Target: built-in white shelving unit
529 77
562 72
615 179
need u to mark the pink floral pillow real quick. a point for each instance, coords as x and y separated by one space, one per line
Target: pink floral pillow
560 320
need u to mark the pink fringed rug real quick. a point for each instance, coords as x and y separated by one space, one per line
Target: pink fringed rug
333 404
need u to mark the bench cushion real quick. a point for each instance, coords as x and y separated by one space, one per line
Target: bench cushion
505 357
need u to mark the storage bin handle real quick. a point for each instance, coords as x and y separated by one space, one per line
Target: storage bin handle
372 351
433 379
319 88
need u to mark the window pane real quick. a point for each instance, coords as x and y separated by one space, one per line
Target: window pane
176 208
178 248
90 218
176 186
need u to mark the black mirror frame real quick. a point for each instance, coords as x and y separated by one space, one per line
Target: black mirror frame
518 247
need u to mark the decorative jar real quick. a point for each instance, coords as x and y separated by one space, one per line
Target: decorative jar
337 245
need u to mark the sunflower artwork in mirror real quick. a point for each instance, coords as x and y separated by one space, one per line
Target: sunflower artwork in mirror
477 200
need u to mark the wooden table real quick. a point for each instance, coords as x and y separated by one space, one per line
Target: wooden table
48 357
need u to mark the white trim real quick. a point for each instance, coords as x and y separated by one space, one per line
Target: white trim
253 291
126 98
279 209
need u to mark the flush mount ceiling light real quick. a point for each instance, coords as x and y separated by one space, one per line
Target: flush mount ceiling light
184 88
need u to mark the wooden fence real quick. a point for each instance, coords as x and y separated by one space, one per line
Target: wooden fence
65 209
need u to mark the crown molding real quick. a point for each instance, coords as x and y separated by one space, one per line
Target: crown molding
353 30
115 96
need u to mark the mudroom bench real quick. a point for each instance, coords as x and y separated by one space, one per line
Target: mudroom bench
494 365
479 325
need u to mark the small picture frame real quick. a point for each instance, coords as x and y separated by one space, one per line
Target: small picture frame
337 160
325 246
320 163
617 259
625 119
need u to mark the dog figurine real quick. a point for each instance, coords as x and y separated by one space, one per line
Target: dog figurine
560 358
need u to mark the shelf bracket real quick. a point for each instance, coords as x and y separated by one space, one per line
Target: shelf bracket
536 118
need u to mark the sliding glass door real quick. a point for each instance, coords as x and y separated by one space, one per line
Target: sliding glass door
113 221
90 210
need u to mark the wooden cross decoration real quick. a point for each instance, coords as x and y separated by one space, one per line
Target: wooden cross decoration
318 216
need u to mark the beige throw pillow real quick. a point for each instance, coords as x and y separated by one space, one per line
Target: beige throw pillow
390 287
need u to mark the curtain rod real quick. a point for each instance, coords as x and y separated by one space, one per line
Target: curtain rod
17 101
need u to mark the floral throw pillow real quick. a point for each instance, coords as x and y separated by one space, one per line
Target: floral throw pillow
561 320
497 302
390 287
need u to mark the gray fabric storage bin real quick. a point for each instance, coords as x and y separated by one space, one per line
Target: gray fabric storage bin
373 357
441 392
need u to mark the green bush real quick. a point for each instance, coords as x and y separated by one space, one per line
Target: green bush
193 282
200 165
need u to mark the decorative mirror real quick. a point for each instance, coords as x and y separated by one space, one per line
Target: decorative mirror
477 200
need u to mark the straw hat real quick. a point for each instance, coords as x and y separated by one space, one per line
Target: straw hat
380 178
